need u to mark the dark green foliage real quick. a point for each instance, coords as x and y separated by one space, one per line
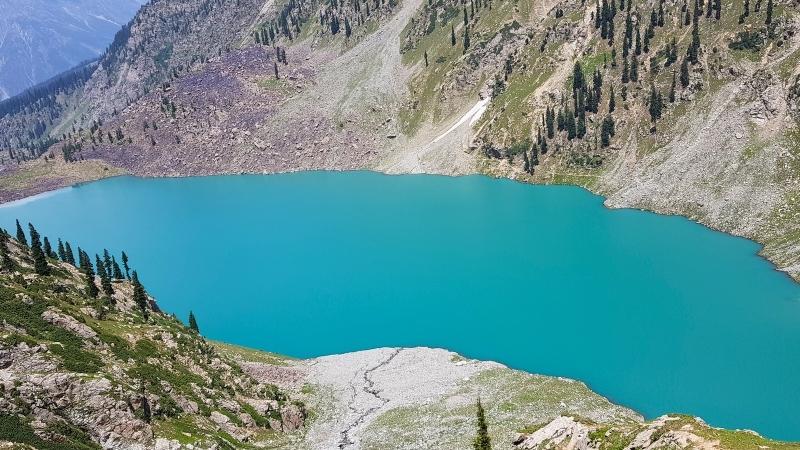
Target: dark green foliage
672 89
466 39
482 440
139 295
748 40
693 51
18 430
70 257
612 102
452 36
125 265
48 249
21 235
115 270
17 313
105 278
193 323
607 131
768 19
656 104
62 254
39 257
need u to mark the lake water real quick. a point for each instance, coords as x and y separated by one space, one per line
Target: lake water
657 313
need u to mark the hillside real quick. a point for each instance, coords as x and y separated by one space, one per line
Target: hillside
40 39
82 369
703 122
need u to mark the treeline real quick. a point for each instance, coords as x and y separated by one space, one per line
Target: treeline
105 267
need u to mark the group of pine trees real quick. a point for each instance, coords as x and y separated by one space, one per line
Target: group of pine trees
106 268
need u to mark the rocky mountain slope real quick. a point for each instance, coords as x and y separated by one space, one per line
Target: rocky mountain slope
84 370
81 370
703 122
40 39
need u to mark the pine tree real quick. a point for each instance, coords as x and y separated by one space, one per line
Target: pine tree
275 68
125 265
48 249
534 157
655 104
481 441
5 257
117 273
612 102
768 20
634 75
694 48
62 254
193 323
105 280
88 274
452 36
70 257
39 258
607 131
21 235
107 262
466 39
139 294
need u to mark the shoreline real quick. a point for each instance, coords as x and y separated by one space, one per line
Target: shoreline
16 197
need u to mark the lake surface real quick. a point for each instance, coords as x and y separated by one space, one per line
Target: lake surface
657 313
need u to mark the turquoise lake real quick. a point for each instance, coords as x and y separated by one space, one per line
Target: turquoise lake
657 313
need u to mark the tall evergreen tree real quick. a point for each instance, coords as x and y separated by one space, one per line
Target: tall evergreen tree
612 102
5 256
452 36
48 249
482 440
107 262
466 39
125 265
69 256
768 20
115 269
607 131
139 294
193 323
39 258
88 275
693 51
62 254
105 280
21 235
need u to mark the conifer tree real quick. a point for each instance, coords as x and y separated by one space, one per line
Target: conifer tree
39 258
452 36
107 261
275 68
482 440
125 265
69 256
105 280
48 249
466 39
62 254
612 102
534 157
139 294
117 273
193 323
625 71
607 131
694 48
768 20
88 275
21 235
5 257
